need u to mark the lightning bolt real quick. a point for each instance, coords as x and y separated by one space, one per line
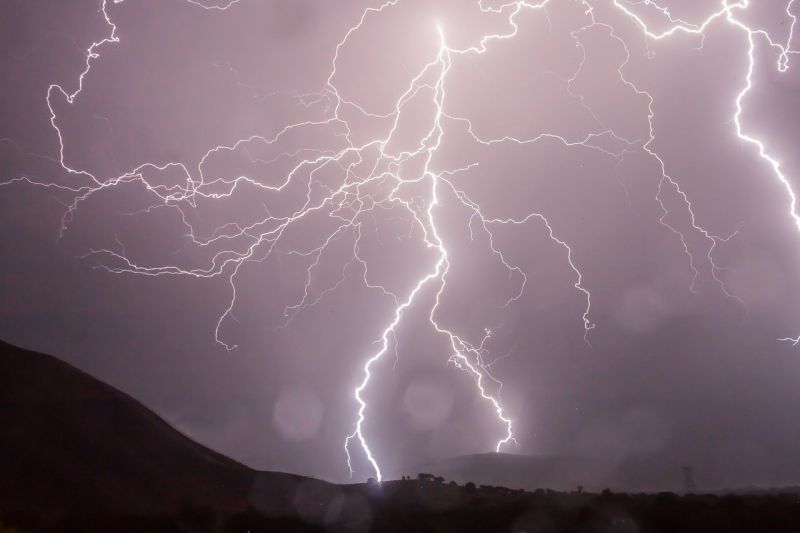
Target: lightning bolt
726 13
372 178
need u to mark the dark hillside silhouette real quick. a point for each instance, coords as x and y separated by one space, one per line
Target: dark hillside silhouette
71 443
79 456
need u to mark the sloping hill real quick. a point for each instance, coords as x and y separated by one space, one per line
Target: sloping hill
69 443
68 440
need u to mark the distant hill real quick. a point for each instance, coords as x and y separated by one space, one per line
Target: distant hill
515 471
70 442
531 472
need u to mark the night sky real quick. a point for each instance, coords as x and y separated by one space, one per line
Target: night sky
234 152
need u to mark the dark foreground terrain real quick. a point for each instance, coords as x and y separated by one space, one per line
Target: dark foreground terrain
410 507
78 455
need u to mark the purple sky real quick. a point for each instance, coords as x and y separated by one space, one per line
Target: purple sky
122 257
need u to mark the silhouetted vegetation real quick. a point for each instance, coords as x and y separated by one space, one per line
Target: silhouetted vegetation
426 504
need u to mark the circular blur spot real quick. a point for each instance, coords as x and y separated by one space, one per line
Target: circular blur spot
759 281
333 511
355 515
642 310
313 500
428 401
298 414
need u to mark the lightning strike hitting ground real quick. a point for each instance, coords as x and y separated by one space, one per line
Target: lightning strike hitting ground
385 187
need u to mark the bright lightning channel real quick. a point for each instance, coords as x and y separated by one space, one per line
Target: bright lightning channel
352 202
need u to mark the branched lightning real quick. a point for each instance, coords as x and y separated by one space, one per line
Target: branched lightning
372 179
